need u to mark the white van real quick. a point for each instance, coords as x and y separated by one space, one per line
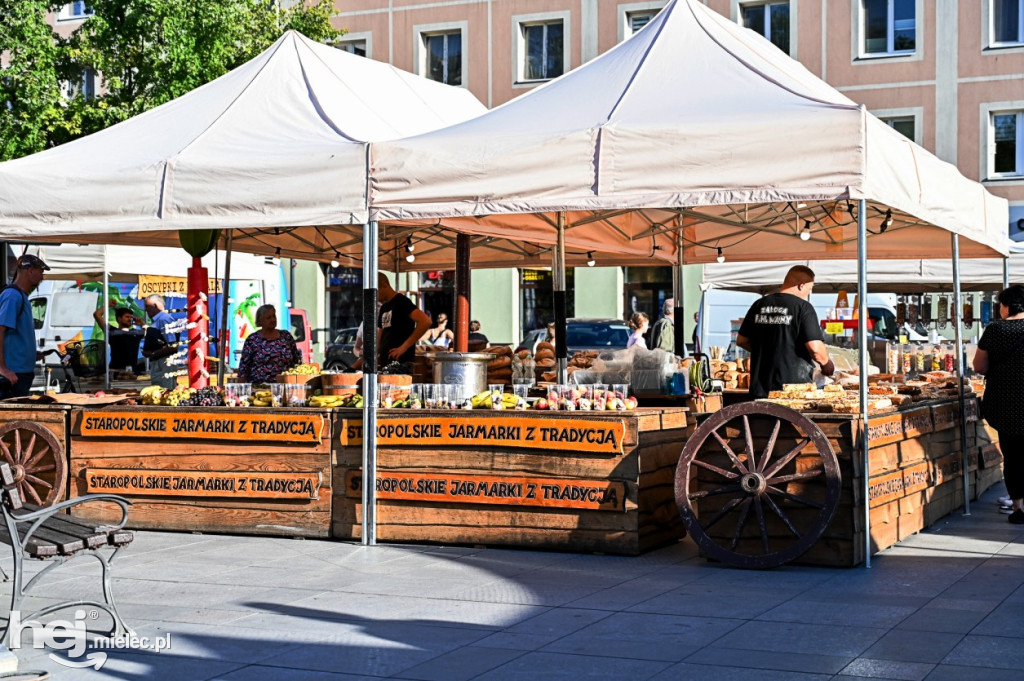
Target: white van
61 312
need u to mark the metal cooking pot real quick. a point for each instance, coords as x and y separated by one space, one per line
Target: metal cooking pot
465 369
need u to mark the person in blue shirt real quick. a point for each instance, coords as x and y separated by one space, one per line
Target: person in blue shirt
160 344
18 353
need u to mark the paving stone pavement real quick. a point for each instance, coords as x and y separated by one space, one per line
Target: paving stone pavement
940 606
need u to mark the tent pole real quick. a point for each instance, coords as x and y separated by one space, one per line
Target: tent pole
225 310
559 294
370 237
1006 272
463 291
954 315
862 363
678 318
106 321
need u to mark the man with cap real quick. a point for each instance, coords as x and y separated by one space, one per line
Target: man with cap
18 353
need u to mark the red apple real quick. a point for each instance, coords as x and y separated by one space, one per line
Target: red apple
99 393
540 404
630 403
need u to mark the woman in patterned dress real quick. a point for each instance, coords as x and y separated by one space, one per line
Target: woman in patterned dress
267 352
1000 357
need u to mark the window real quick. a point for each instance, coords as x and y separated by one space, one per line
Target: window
74 10
356 47
444 57
889 26
903 125
1007 151
544 50
770 19
1007 22
637 20
38 312
84 87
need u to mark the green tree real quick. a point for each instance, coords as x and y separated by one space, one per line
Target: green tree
32 105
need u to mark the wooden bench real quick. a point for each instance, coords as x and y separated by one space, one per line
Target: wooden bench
49 534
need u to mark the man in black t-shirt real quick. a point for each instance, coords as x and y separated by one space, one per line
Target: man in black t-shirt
782 333
400 325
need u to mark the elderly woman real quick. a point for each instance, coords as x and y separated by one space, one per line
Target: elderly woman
267 352
1000 356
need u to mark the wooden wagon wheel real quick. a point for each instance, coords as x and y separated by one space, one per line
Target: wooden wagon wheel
760 505
36 460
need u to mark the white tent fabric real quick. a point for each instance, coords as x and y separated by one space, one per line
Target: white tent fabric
892 276
127 263
279 142
703 127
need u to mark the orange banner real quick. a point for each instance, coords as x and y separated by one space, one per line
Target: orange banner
596 495
269 426
470 430
171 286
172 483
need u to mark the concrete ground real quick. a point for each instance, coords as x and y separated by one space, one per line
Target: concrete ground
940 606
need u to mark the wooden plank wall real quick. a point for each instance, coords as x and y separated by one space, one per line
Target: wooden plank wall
644 469
239 455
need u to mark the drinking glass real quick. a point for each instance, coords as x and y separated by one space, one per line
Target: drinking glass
621 391
520 390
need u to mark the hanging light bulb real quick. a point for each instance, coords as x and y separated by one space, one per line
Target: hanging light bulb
886 222
335 264
411 257
805 233
590 259
409 246
721 256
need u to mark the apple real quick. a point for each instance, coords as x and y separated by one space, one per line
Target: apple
610 405
99 393
630 403
552 396
540 404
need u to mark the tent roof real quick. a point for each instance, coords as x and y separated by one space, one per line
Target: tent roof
280 141
695 125
890 276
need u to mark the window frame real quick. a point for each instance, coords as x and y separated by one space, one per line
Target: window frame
65 13
989 30
987 150
365 37
626 11
519 52
738 6
858 36
913 112
421 54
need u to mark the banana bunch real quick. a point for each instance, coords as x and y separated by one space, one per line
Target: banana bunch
152 394
302 370
264 398
491 400
327 401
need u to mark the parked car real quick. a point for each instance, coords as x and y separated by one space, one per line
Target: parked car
585 334
339 354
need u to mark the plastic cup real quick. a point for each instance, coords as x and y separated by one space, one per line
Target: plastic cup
277 392
600 392
496 390
295 394
553 396
416 396
568 397
386 395
621 391
429 395
520 390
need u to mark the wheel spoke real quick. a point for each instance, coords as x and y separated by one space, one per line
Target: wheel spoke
714 492
723 512
760 524
793 497
797 476
782 516
739 525
17 444
7 453
749 437
728 450
26 453
38 481
781 463
40 454
41 469
715 469
769 446
25 487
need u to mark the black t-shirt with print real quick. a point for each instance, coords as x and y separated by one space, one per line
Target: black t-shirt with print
779 327
396 325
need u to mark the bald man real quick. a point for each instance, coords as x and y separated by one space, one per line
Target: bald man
782 334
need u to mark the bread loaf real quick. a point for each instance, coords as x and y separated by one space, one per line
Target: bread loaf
544 354
544 345
499 363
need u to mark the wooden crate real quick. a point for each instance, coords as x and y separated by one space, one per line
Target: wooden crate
585 496
54 421
206 470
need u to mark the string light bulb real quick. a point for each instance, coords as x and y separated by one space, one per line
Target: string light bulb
590 259
411 257
335 264
409 246
805 233
886 222
721 256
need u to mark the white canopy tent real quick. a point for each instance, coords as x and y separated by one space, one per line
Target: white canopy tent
694 125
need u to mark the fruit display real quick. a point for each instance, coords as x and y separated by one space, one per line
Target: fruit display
302 370
265 398
491 399
151 394
203 397
328 401
172 398
237 394
582 398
